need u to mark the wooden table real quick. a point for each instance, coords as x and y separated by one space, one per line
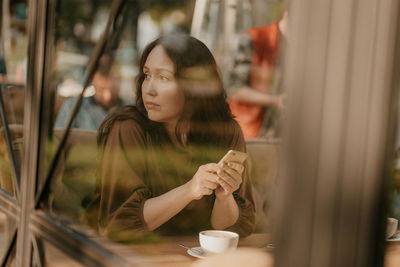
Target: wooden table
169 253
392 254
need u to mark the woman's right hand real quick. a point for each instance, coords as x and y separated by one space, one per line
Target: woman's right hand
204 181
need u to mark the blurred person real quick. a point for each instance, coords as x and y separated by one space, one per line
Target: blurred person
254 86
158 170
95 108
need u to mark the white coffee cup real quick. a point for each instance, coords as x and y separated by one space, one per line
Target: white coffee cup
216 241
391 227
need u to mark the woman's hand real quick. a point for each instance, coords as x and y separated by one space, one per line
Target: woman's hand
204 181
229 177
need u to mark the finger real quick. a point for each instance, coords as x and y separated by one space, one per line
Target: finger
210 167
230 173
209 185
227 179
210 177
236 166
233 173
207 191
227 187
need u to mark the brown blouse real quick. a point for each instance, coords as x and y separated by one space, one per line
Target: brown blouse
135 167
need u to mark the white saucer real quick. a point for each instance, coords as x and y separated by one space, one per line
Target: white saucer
394 238
197 252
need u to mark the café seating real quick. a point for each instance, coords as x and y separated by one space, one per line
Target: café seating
263 165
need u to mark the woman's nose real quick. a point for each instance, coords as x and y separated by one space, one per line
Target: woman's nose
149 88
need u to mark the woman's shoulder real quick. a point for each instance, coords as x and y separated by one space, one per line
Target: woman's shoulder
123 121
226 133
128 112
232 128
235 125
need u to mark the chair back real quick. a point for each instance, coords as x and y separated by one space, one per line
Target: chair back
263 170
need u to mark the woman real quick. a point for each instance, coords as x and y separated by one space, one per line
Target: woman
157 171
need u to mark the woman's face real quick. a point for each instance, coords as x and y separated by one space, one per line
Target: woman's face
162 98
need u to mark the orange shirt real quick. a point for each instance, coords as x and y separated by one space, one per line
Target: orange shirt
265 41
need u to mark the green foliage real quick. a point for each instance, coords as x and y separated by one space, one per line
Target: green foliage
71 12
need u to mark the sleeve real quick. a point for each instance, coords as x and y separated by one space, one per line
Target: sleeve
244 196
239 74
123 188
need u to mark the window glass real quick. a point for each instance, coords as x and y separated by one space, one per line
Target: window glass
75 173
13 58
112 86
141 165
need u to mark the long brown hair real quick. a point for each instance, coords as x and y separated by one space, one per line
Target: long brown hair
206 110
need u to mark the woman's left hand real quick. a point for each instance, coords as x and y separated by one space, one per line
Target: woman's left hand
229 179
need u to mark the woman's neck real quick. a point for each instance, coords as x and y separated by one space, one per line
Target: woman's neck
171 130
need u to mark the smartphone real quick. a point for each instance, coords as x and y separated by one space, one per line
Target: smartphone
234 156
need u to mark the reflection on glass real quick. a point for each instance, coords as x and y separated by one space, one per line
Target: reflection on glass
148 169
111 86
76 36
76 174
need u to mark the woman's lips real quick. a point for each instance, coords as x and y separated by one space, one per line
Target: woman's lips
151 105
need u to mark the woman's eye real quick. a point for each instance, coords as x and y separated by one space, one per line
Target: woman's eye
146 76
163 78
